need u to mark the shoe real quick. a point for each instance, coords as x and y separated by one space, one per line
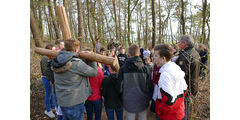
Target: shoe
49 114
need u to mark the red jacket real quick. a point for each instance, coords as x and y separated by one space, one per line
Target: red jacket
172 86
96 84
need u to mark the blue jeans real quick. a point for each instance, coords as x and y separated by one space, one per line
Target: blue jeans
49 97
95 105
110 113
75 112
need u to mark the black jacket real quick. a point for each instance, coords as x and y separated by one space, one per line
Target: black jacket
110 92
136 85
189 62
121 59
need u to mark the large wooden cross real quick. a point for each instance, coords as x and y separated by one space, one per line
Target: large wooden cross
67 34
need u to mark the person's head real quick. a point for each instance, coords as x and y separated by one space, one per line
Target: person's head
162 54
60 44
122 50
175 48
185 41
146 48
133 50
111 40
112 69
97 40
50 47
72 44
102 50
201 47
147 60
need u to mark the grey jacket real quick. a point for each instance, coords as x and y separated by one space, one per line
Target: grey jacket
136 85
71 78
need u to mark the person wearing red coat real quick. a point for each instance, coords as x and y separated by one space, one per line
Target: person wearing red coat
94 101
172 85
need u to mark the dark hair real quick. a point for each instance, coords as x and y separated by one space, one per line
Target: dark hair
102 49
133 50
49 46
59 41
164 50
71 44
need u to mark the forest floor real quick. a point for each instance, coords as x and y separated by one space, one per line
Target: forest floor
202 105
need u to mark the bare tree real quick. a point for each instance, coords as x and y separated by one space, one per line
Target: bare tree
154 24
80 22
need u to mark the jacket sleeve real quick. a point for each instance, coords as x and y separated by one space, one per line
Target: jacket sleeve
44 67
165 103
103 93
149 82
120 80
85 70
100 77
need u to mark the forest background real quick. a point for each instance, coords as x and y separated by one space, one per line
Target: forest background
15 47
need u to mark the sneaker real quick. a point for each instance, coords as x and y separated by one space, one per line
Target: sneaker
49 114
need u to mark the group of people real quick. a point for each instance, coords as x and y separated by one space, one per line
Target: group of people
164 78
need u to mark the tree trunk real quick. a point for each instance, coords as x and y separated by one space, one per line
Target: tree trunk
204 5
50 8
80 22
182 18
89 27
40 22
63 22
119 21
115 19
171 30
160 23
146 26
49 24
35 32
154 24
88 56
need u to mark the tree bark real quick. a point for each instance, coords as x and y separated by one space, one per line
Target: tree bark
115 19
90 29
88 56
49 24
160 23
146 26
154 24
40 21
204 4
51 12
182 17
80 22
35 32
63 22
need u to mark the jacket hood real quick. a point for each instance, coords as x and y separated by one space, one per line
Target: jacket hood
134 63
173 69
62 58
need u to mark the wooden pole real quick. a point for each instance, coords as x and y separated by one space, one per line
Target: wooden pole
63 22
34 29
88 56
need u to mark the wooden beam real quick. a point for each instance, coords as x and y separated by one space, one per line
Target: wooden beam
88 56
63 21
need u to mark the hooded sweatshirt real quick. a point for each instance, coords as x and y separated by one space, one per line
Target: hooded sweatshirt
110 92
172 87
136 86
71 78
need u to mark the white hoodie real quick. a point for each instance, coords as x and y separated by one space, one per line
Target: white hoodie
171 80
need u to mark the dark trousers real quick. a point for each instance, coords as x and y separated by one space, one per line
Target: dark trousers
95 105
187 108
110 113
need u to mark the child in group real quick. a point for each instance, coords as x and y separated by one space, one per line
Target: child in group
149 64
172 85
46 79
94 102
112 97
